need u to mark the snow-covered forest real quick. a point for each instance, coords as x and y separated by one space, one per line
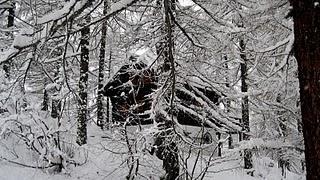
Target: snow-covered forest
159 89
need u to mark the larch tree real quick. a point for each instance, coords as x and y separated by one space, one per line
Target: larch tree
306 18
245 104
167 149
102 56
10 23
83 84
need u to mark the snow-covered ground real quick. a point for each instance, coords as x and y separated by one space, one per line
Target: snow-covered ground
106 157
91 171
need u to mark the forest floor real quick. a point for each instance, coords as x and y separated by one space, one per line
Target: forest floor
108 160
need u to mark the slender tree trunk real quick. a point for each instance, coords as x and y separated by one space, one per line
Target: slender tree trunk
56 101
219 143
228 102
100 108
45 102
306 17
10 23
168 149
56 110
245 105
56 105
11 15
282 162
109 107
171 161
83 85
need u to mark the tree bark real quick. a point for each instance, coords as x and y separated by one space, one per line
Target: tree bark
245 105
100 108
306 17
11 15
45 102
83 85
7 65
168 149
228 102
56 101
219 144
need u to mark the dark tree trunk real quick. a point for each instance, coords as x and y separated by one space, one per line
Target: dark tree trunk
168 149
7 65
219 143
45 102
83 85
245 105
56 109
11 15
100 108
228 102
56 105
306 17
162 47
56 101
108 104
230 141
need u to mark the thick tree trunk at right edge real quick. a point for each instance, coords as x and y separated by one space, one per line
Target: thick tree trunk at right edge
306 17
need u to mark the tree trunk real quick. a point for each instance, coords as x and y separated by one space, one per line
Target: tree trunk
83 85
11 15
168 149
10 23
306 17
56 101
45 102
245 105
219 143
228 102
100 108
108 104
56 110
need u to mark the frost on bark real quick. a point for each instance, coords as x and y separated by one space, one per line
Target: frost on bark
245 105
56 113
306 18
56 105
11 15
10 24
102 57
219 144
228 102
45 102
83 85
167 148
56 101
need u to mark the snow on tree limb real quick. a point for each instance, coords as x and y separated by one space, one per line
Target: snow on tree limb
114 9
50 23
61 13
289 40
212 113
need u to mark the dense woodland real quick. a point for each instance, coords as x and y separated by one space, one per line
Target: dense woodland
160 89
